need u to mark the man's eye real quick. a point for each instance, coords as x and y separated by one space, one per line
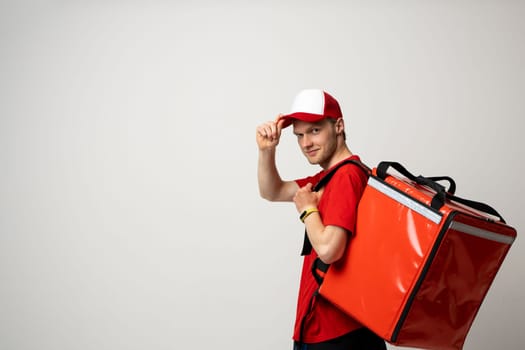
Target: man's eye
315 130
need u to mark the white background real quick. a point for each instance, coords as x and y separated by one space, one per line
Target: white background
129 209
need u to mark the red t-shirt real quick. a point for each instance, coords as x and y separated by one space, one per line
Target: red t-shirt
337 207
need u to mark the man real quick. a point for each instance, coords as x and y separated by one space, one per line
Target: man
329 215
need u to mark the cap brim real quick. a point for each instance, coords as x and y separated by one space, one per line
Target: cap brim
288 119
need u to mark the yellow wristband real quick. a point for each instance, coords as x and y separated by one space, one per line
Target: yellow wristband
307 212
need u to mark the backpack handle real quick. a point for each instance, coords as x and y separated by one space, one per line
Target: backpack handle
442 194
422 180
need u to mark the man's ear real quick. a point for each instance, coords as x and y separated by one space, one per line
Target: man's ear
339 126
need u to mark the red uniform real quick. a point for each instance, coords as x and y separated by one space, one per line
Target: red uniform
337 207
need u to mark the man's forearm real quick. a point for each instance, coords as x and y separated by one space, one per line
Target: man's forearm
268 176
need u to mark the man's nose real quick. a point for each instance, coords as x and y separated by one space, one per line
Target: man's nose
306 141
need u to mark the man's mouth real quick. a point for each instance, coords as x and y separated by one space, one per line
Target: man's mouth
312 152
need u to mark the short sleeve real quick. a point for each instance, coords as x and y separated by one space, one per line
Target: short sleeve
338 204
310 179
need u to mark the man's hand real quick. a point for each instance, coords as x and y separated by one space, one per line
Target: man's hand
269 134
304 198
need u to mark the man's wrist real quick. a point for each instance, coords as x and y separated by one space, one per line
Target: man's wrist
307 212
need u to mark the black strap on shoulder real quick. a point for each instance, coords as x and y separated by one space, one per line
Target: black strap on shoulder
307 246
324 180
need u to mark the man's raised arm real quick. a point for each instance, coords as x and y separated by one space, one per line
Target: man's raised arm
271 186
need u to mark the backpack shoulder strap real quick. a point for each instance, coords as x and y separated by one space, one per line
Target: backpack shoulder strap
307 246
324 180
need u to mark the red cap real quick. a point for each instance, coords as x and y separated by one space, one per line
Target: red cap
312 105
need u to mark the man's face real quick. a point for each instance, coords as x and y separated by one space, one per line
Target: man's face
318 141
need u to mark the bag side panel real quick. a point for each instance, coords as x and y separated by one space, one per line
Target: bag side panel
456 283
